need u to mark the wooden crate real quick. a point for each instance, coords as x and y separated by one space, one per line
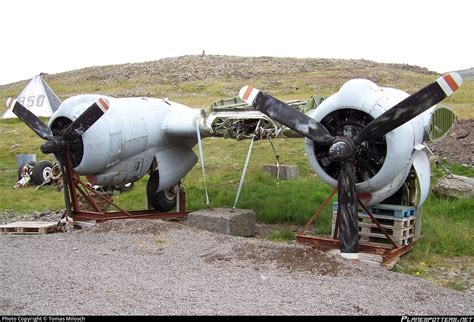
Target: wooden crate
28 227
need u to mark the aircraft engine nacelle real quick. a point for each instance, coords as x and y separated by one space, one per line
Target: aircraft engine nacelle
134 136
382 164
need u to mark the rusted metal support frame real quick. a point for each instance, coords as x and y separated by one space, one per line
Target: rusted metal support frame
69 184
134 214
74 183
86 195
397 252
110 202
318 212
388 253
325 243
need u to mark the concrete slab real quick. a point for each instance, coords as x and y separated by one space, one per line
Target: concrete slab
240 222
287 172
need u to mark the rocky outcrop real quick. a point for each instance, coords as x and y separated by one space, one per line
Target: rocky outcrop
455 186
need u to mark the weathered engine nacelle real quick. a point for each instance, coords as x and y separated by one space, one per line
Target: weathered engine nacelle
382 164
135 136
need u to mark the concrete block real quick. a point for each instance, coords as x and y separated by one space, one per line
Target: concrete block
287 172
240 222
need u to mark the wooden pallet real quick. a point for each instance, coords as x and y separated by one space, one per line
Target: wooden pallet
400 229
369 228
28 227
392 210
380 239
384 220
385 209
387 222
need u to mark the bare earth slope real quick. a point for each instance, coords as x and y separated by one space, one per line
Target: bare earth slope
156 267
458 145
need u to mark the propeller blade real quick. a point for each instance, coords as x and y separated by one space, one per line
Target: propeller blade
86 119
286 115
67 199
347 209
30 119
410 107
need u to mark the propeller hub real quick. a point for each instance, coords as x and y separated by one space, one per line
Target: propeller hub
341 150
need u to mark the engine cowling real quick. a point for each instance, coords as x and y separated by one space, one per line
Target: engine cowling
123 144
382 164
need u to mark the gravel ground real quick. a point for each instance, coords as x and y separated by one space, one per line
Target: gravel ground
144 267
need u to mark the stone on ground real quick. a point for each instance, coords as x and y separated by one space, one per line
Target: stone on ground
286 172
455 186
235 222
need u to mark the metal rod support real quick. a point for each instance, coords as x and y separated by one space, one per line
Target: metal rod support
201 156
244 171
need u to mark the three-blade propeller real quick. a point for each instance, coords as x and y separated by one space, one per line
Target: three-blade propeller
343 149
60 144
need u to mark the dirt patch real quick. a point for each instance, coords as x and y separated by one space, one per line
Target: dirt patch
290 258
458 145
284 255
265 230
134 226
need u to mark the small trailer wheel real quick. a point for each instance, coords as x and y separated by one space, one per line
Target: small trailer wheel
42 172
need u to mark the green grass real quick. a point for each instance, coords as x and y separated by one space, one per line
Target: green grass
447 227
282 235
447 223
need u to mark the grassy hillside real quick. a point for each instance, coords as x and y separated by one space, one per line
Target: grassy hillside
198 81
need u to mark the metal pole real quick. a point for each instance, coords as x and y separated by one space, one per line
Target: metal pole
201 155
242 177
277 159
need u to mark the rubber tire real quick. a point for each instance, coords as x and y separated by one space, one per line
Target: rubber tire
400 198
158 200
39 171
31 163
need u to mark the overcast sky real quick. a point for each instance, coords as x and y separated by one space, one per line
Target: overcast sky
54 36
